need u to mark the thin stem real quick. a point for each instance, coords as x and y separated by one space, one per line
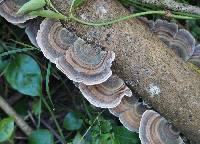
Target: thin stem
12 113
91 125
53 116
47 84
123 18
16 51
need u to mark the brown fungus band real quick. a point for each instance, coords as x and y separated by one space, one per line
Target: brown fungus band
9 8
165 30
129 112
179 40
107 94
154 129
54 39
195 58
86 63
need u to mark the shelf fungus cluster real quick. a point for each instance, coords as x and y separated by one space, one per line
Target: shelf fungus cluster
154 129
180 41
89 66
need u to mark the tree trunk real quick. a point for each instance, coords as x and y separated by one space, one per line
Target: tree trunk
160 77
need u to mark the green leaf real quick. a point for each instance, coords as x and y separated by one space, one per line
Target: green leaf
3 64
72 122
24 75
105 126
36 107
32 5
41 136
78 139
6 129
78 3
124 136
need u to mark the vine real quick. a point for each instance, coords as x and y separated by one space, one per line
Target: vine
55 14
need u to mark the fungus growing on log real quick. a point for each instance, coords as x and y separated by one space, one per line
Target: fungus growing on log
86 63
154 129
129 112
195 58
54 39
165 30
31 29
180 40
183 44
9 8
107 94
141 57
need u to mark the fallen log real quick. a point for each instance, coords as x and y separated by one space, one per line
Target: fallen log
159 76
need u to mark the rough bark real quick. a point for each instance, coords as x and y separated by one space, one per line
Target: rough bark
160 77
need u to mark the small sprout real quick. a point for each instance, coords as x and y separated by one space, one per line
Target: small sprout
9 9
31 5
107 94
154 129
86 63
129 112
54 39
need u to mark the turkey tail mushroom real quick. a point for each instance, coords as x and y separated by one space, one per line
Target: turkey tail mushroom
154 129
129 112
107 94
195 58
54 39
180 40
183 44
32 28
86 63
9 8
165 30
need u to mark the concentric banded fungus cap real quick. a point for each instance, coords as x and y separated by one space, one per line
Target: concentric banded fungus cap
107 94
148 23
129 112
183 44
54 39
154 129
195 59
86 63
9 8
126 104
165 30
131 118
32 28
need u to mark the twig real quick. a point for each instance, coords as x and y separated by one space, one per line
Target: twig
11 112
52 130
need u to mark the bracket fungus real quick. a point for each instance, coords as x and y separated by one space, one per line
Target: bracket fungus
154 129
129 112
86 63
9 8
180 40
31 29
195 58
54 39
165 30
183 44
107 94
